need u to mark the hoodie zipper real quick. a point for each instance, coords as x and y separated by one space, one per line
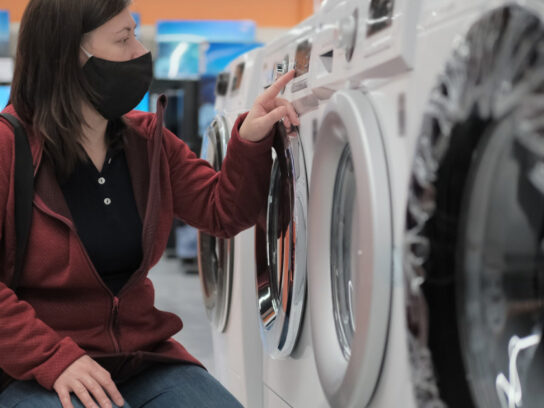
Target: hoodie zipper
114 324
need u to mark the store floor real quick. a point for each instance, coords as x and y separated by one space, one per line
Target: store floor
179 292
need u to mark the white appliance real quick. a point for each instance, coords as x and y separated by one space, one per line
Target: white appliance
358 183
289 373
226 266
388 54
245 74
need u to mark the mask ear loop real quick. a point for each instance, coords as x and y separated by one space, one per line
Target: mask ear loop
87 53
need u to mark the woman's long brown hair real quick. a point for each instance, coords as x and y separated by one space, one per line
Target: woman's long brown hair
48 85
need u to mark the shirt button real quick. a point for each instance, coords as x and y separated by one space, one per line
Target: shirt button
107 201
101 180
109 160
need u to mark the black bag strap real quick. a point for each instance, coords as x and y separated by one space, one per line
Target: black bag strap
24 193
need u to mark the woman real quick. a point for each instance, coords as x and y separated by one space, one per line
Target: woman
81 329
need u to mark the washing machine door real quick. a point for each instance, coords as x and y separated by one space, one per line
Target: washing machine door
215 256
474 259
350 250
280 247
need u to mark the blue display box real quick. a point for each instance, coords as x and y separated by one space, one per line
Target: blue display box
235 31
189 49
4 96
4 33
144 104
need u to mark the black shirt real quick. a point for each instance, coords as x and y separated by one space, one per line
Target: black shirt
104 211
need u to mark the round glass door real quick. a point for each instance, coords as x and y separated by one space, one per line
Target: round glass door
350 249
500 287
281 247
344 251
475 227
215 256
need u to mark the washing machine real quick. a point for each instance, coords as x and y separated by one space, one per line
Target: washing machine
373 343
226 266
290 376
361 152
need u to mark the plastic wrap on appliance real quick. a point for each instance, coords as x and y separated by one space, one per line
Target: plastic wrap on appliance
489 75
426 391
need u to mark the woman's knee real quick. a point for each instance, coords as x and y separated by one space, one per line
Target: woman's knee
179 386
209 392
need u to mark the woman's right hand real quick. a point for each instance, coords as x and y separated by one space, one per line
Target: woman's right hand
85 377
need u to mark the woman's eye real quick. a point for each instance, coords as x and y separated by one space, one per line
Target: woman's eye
124 41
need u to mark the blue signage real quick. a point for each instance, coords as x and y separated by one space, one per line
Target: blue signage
188 49
4 33
211 30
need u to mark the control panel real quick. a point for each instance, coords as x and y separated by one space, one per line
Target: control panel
303 55
380 16
238 77
387 42
222 85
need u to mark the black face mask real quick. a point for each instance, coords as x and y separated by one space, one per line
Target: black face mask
120 86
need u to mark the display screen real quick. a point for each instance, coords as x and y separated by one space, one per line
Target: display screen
238 76
302 58
4 95
380 16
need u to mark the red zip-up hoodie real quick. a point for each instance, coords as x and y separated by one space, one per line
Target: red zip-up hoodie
62 308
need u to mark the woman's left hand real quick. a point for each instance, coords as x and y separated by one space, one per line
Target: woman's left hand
269 109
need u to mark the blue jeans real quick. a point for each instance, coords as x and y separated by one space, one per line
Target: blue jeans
169 386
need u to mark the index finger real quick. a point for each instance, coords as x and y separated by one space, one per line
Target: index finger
277 86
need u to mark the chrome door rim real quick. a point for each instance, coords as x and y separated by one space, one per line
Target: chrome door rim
281 255
216 256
